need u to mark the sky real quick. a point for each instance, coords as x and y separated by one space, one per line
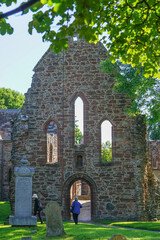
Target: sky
19 53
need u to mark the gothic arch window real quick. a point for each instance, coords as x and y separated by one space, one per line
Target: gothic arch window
52 142
155 158
106 141
78 121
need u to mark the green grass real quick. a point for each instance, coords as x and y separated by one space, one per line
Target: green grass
73 232
152 226
5 211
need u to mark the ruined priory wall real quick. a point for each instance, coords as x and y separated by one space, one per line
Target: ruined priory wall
117 187
6 115
5 169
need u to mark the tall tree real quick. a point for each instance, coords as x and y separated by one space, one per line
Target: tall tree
10 99
78 133
145 92
130 29
154 132
106 152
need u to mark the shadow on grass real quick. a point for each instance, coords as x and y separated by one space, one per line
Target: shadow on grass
152 226
74 232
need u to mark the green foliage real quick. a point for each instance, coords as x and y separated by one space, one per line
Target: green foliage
144 92
154 132
5 211
10 99
78 134
106 153
5 27
129 29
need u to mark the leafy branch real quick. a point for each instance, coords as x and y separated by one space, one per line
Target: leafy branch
21 8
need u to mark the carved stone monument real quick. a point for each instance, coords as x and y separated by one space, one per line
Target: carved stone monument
23 196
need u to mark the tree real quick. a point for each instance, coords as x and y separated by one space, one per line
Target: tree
130 29
145 93
10 99
78 134
106 152
154 132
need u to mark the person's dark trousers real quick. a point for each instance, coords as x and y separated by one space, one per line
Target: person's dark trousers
39 215
75 218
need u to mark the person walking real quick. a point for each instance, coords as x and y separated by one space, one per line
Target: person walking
37 207
75 208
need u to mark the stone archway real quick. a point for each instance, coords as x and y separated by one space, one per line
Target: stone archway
67 186
82 190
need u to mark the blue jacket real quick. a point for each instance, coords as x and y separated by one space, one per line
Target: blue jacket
76 207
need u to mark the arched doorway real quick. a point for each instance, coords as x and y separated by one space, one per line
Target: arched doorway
92 190
82 190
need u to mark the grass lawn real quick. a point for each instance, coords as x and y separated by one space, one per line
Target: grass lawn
73 232
152 226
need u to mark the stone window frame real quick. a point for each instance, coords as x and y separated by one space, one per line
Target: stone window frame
75 163
113 142
58 138
85 115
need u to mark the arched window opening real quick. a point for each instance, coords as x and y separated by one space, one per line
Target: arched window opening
82 190
106 141
79 121
52 142
155 158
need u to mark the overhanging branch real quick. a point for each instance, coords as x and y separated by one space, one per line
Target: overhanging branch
19 9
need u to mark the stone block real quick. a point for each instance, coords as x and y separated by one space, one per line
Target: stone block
23 221
54 220
118 237
23 197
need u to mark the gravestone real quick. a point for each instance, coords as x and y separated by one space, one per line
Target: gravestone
23 196
54 220
118 237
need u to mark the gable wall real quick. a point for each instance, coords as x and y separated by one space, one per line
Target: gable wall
117 188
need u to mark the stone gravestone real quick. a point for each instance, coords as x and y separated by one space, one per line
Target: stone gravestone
23 196
54 220
118 237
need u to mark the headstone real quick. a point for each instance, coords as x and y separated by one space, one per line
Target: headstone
23 196
54 220
118 237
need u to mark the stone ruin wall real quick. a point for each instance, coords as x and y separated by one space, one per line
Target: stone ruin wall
6 169
117 188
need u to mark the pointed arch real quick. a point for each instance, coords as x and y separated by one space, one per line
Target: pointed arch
93 187
85 115
106 140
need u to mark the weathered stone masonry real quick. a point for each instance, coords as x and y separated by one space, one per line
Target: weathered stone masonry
6 115
117 188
